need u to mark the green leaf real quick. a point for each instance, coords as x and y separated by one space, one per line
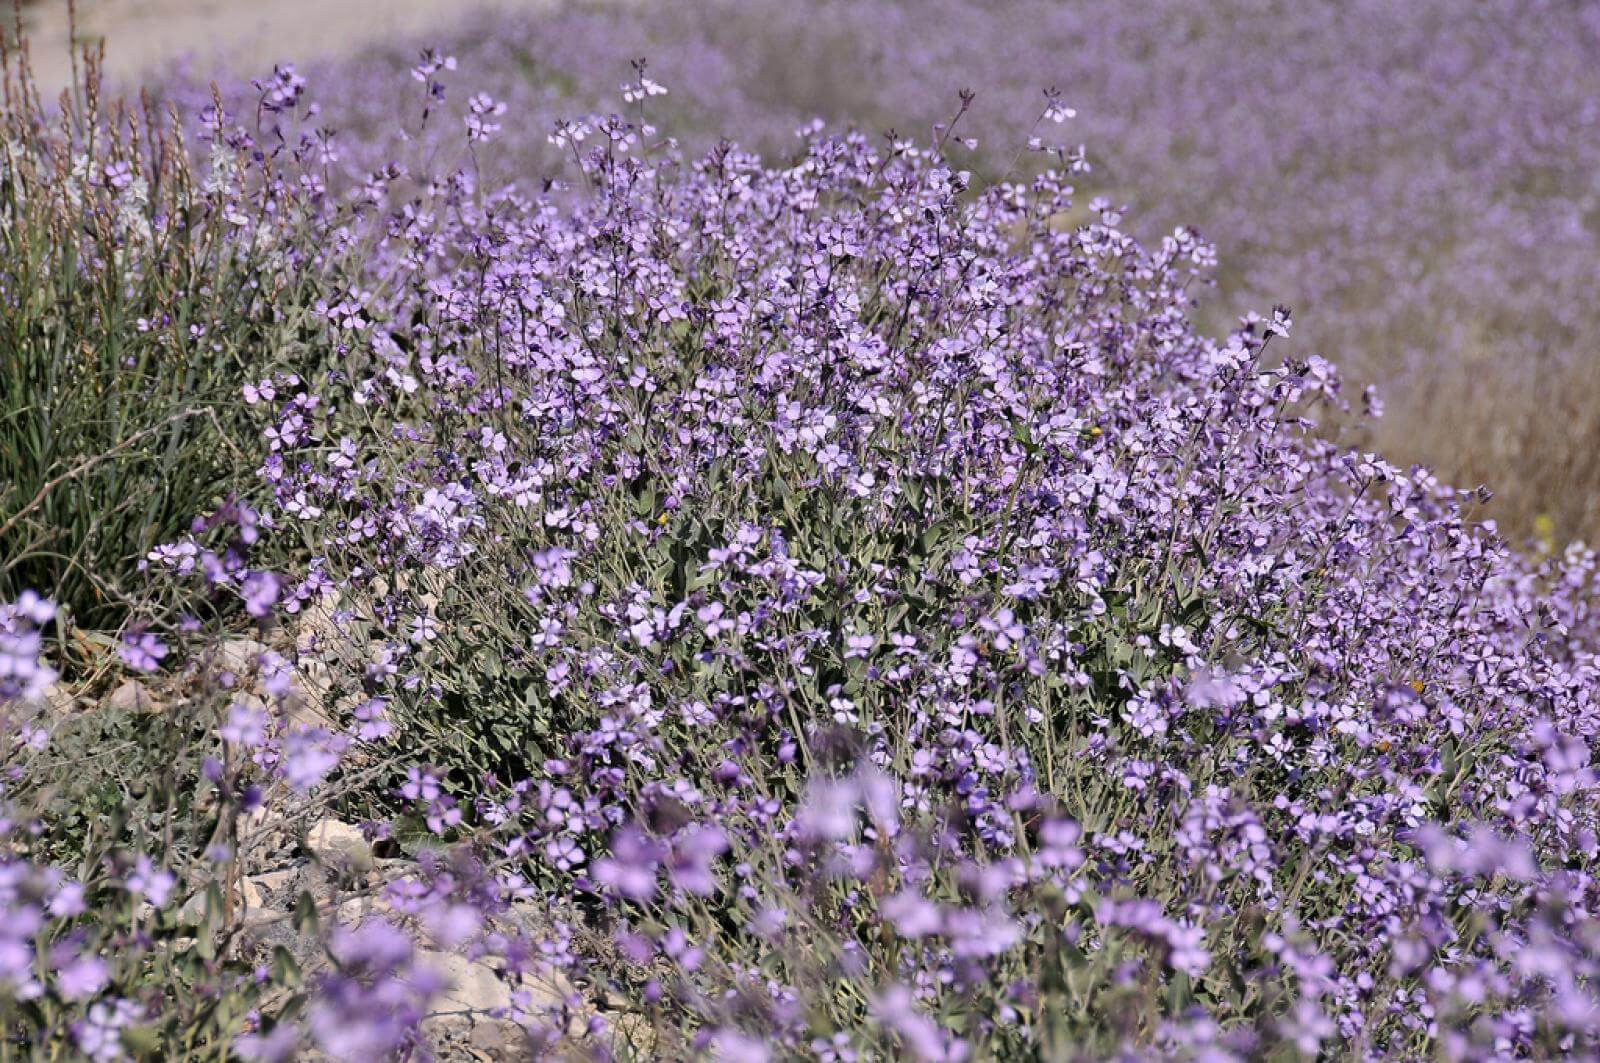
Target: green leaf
306 920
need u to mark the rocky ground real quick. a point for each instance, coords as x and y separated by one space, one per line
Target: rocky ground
335 866
291 864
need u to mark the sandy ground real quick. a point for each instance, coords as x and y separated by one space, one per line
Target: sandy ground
144 35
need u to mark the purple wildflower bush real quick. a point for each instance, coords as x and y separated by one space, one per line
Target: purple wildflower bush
1417 179
857 611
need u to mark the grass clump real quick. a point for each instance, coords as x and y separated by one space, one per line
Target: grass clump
139 291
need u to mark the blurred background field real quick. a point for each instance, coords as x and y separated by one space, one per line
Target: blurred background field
1420 181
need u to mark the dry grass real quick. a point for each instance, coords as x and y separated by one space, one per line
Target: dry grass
1530 433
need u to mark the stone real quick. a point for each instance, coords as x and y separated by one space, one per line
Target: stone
61 699
633 1036
359 909
250 700
240 656
193 910
261 821
503 1041
134 696
272 883
248 904
309 691
474 987
338 844
318 630
464 1013
302 707
309 682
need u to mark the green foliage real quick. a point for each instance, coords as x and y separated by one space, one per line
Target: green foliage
130 315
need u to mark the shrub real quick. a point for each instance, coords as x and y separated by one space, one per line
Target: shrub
896 630
113 821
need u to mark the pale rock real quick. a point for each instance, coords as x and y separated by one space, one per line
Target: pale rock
308 712
240 656
251 700
193 910
260 818
359 909
273 894
310 688
502 1041
477 990
632 1036
309 685
249 903
318 630
61 699
338 845
464 1010
133 696
473 987
269 882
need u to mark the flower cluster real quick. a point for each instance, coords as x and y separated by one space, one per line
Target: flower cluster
917 637
1421 174
23 674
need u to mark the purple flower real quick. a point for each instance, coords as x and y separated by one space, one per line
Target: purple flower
828 811
98 1034
912 916
276 1046
260 592
142 651
919 1035
23 676
630 869
67 901
309 755
481 109
1058 846
451 924
81 976
371 724
694 852
736 1046
374 1002
119 174
1186 949
564 852
149 882
859 645
246 725
865 515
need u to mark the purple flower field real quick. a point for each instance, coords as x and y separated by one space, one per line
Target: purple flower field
1417 179
592 561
